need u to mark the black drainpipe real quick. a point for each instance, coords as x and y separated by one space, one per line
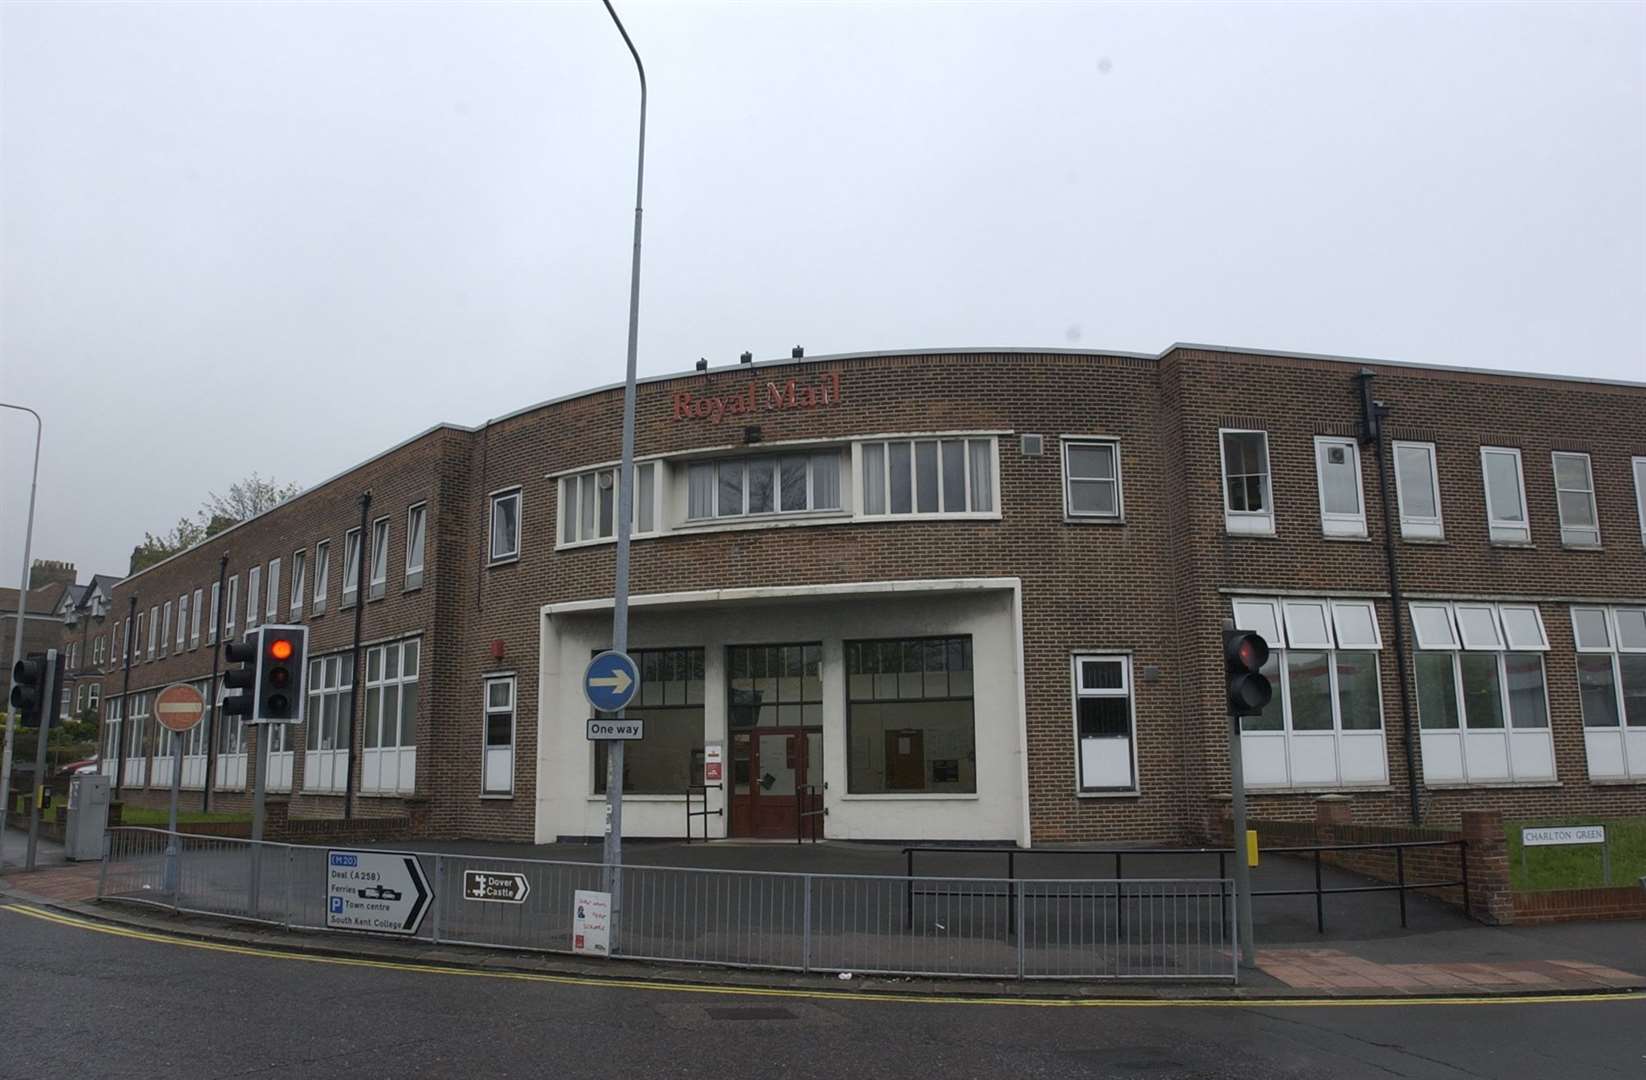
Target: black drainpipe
125 700
216 655
358 700
1372 415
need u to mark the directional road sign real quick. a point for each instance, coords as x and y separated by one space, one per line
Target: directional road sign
495 888
179 707
610 681
380 891
627 730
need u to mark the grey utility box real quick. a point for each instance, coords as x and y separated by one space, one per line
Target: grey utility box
88 816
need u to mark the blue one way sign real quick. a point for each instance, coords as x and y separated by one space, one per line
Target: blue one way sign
610 681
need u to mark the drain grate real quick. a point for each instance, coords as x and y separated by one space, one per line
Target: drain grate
754 1012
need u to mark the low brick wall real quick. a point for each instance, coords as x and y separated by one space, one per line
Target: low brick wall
1575 905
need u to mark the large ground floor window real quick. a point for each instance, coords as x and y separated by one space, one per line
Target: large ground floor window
1611 681
910 721
137 741
388 764
231 746
1482 699
1324 725
326 723
670 701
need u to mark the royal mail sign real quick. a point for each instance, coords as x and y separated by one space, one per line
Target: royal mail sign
760 395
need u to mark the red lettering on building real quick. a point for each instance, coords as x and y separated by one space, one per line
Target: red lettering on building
772 396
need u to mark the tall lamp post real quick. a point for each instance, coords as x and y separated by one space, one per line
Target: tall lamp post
22 612
613 852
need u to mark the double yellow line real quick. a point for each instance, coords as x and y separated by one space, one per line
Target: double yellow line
815 995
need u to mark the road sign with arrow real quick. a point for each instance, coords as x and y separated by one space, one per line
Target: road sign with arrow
611 681
495 888
384 892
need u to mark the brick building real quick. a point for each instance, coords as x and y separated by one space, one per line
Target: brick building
965 594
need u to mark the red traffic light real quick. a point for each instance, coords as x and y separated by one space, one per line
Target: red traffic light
1244 654
1244 651
280 649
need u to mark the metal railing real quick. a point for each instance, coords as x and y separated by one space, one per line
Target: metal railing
1399 886
809 821
1023 928
701 790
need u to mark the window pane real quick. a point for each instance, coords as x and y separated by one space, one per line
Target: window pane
982 455
1103 718
700 490
604 484
505 527
954 476
1246 461
1590 628
1339 478
826 481
762 485
1576 509
1092 496
793 479
1597 689
731 488
1528 708
902 490
1436 690
1572 472
645 477
408 714
499 729
1634 689
1482 695
1101 675
874 478
1088 461
900 742
373 704
1631 628
1503 487
1357 691
1309 681
1413 468
410 651
925 476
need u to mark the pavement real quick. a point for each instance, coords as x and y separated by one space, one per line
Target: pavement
1363 951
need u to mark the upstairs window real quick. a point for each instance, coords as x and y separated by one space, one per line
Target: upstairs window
165 627
1342 502
767 484
254 596
299 571
216 613
1639 465
233 609
1247 504
272 607
182 622
416 518
1419 486
505 526
322 574
351 566
1091 479
928 477
379 558
197 614
1575 498
588 504
1505 496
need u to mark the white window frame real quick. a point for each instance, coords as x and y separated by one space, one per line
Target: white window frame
299 581
1070 480
860 484
406 754
487 711
1576 536
417 538
1638 466
1340 524
216 611
165 628
1623 742
496 498
1419 526
154 628
1247 522
837 456
324 768
254 597
1124 660
381 538
570 523
197 615
1503 530
351 580
271 610
322 575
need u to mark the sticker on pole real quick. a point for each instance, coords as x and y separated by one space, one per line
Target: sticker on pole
179 707
591 922
610 681
384 892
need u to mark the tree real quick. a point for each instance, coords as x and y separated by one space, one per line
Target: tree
245 499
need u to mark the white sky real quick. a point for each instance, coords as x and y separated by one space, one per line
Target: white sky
282 237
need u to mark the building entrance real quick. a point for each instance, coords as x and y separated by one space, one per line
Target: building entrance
776 772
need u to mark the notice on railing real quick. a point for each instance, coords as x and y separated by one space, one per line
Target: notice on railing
591 922
1553 835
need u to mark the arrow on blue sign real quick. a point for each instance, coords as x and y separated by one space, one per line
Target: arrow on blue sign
611 681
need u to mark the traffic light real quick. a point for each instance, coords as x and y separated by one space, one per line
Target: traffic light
281 656
36 685
1244 654
243 679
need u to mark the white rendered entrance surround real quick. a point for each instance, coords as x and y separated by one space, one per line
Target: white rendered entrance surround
990 610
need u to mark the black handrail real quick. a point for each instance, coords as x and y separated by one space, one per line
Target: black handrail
1401 886
801 795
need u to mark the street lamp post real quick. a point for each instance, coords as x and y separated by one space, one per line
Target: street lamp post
22 612
612 856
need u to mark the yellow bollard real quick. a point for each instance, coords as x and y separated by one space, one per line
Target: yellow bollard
1251 847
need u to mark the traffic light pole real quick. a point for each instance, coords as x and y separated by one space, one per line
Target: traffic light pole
612 856
22 613
1242 867
48 705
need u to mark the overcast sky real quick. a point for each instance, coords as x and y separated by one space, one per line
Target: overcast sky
283 237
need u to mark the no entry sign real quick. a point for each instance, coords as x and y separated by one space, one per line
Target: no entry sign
179 707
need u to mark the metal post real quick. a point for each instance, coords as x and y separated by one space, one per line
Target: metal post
1400 879
171 817
291 872
806 926
439 892
1320 899
1242 868
908 888
22 614
1011 899
1017 895
212 691
48 705
1119 904
259 791
357 697
613 855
